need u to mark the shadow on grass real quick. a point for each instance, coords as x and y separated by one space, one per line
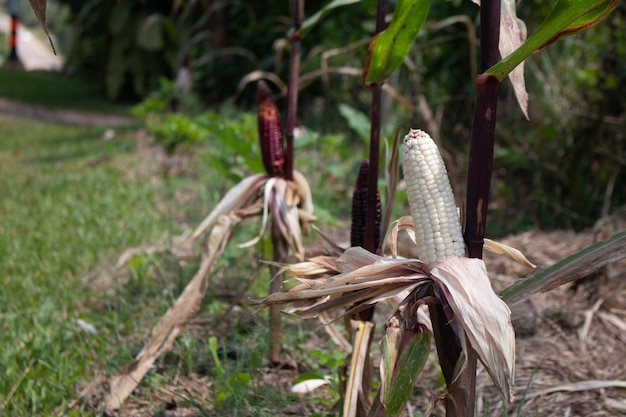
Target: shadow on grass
77 146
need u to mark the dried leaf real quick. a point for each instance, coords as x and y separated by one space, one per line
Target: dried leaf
174 320
483 316
237 197
334 333
573 267
512 35
39 7
578 386
306 386
354 386
502 249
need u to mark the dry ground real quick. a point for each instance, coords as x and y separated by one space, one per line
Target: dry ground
567 340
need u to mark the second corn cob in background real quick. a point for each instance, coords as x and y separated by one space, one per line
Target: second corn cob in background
435 217
359 209
270 132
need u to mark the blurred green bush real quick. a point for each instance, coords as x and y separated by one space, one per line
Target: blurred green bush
563 168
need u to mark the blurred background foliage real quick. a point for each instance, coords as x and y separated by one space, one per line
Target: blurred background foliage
565 168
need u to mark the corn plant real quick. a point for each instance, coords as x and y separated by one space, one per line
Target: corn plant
442 295
467 319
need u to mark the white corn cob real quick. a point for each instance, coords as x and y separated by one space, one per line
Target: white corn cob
435 217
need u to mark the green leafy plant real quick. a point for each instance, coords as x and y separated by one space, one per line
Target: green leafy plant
226 387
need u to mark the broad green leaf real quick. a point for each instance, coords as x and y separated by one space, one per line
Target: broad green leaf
588 20
239 381
389 351
357 120
118 19
309 23
413 353
569 269
567 17
391 46
150 33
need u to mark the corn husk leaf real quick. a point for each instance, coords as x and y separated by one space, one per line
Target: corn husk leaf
304 191
502 249
289 202
483 316
461 283
239 196
404 354
269 195
404 223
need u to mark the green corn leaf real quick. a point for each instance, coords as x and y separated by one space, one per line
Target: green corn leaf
391 46
567 17
409 359
569 269
309 23
389 351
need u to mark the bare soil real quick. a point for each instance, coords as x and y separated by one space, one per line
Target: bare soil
566 338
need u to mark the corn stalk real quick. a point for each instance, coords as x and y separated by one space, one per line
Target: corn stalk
462 390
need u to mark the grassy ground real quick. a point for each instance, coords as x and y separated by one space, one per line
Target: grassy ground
65 206
52 89
71 203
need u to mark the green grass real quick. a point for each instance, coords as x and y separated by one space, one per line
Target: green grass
53 89
70 204
67 205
